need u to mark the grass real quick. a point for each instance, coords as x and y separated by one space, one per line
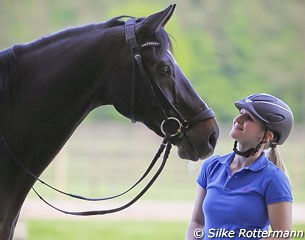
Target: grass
111 230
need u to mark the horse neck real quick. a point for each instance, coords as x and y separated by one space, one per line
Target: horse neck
57 85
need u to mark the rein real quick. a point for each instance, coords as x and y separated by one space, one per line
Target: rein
177 120
165 145
136 198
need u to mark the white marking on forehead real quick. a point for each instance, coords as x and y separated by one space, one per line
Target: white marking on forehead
169 53
172 57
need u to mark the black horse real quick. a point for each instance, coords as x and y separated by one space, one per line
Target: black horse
47 87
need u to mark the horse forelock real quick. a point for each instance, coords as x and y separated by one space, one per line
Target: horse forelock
165 41
161 36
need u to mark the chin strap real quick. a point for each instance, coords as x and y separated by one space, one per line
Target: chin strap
251 151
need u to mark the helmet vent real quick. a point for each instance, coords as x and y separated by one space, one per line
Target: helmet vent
263 98
272 117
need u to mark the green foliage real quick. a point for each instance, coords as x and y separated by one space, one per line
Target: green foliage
228 49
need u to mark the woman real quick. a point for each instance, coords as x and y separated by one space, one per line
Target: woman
243 193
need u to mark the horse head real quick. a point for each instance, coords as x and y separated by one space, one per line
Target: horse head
153 90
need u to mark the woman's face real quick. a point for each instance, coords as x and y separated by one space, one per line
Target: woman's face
247 129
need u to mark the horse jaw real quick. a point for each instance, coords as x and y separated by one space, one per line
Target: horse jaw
199 142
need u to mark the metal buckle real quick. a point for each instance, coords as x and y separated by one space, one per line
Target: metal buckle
165 127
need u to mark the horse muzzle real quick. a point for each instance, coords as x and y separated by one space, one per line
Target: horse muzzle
198 141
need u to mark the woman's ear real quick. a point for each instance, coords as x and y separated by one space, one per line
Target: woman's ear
269 136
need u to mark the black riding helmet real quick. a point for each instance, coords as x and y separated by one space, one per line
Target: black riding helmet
274 113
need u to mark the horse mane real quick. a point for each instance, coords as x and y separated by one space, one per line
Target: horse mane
7 70
161 37
61 35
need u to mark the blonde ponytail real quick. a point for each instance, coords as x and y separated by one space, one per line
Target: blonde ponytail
274 156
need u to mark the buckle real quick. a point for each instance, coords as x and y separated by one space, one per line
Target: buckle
171 127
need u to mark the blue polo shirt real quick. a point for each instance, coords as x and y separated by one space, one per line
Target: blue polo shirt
239 202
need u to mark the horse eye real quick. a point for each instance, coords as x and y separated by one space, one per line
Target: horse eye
164 69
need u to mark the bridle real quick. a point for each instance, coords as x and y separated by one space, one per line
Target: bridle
178 120
153 88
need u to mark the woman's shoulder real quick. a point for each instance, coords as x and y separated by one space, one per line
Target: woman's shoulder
272 170
277 185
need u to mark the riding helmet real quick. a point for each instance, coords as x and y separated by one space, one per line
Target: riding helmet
274 113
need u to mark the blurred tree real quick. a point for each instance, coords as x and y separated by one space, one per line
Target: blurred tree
228 49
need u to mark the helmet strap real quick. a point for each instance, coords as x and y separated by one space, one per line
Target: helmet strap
251 151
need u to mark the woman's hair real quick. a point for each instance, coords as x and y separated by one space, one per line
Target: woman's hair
275 157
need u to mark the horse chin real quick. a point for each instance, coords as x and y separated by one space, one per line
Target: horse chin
188 155
188 152
193 147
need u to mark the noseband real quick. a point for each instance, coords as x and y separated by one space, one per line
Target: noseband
180 123
177 120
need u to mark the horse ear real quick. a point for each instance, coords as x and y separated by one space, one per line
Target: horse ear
154 22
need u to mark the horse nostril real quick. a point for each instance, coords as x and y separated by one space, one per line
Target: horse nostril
213 139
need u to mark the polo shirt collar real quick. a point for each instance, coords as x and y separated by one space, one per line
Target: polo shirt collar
260 163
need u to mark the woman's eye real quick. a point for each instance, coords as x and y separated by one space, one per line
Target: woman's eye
248 117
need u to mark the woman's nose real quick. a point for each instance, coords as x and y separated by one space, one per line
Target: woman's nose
239 118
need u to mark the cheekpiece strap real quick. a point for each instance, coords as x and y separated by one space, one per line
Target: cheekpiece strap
130 34
131 40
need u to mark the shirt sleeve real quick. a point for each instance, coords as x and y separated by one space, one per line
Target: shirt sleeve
278 188
202 178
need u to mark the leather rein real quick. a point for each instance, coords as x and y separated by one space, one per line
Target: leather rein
178 121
